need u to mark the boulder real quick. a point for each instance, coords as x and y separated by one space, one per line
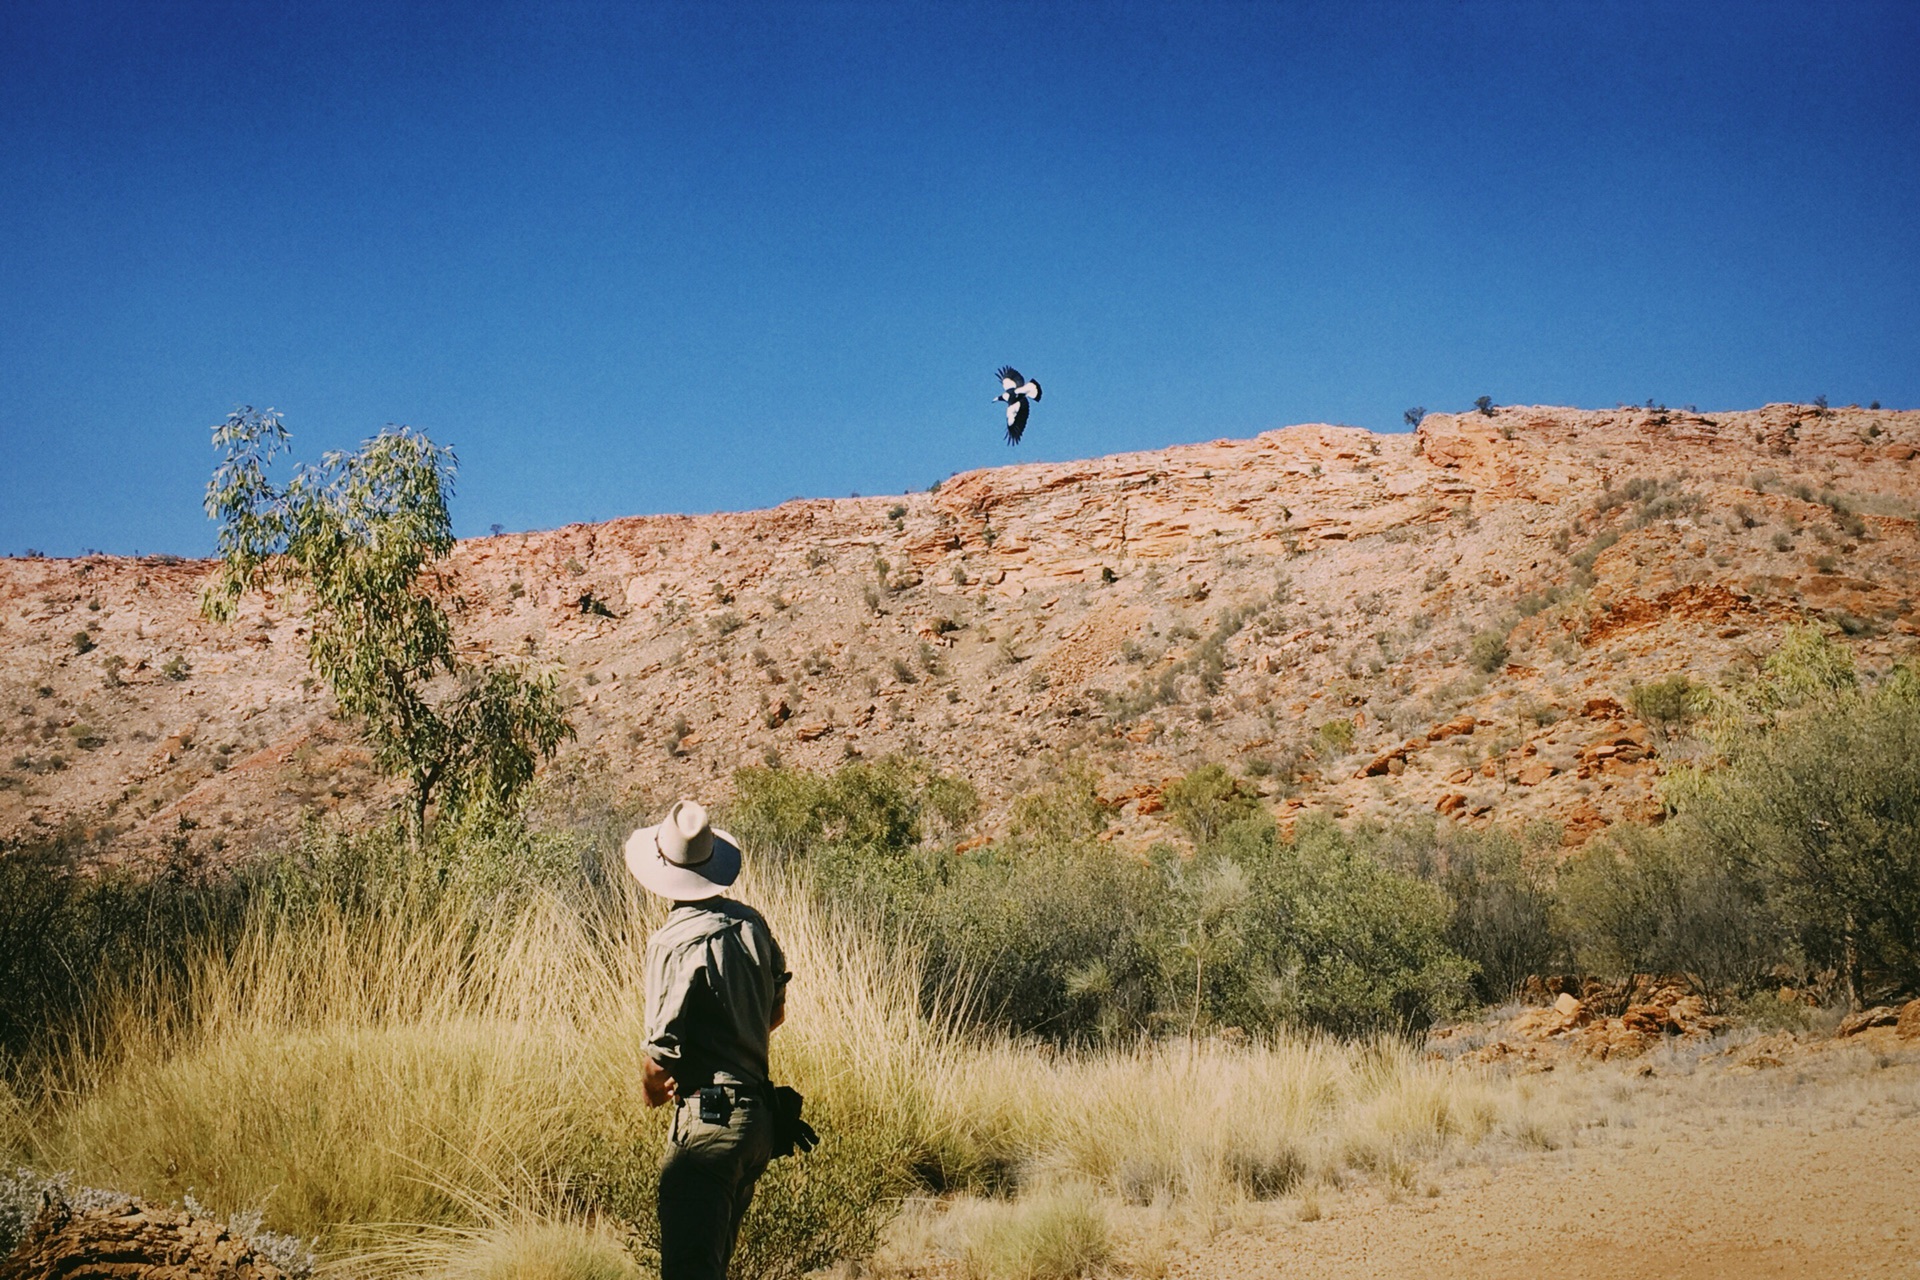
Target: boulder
1908 1024
1392 762
1878 1016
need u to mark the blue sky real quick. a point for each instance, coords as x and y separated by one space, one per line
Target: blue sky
634 258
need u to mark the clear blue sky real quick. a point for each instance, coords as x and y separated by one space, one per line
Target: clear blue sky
633 258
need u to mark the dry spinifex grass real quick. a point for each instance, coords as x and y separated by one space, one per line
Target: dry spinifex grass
467 1077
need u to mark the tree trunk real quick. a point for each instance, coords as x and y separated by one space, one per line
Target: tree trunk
1850 962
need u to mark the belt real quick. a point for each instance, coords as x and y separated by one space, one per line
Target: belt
735 1093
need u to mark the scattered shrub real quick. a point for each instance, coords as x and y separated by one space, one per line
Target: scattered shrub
1824 810
1503 910
1342 943
1589 555
1656 901
1205 801
1336 734
1488 651
1666 705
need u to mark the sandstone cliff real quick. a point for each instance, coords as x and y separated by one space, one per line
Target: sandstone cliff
1443 622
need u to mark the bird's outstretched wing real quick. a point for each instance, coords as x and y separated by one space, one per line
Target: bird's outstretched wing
1016 419
1009 377
1029 389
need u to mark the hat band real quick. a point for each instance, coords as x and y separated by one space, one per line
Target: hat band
661 853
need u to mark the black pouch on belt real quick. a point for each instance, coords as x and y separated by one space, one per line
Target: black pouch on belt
715 1106
790 1132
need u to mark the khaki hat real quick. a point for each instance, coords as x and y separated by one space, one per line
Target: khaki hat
683 857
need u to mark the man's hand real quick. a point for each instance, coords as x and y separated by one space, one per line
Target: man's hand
657 1084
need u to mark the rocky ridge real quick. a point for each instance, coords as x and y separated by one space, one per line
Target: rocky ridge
1447 622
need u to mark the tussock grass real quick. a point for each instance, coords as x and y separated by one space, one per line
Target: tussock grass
1177 1120
347 1070
449 1084
1056 1235
526 1248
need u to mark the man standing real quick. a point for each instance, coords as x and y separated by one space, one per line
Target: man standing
716 989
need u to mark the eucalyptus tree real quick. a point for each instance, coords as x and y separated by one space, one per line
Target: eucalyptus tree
357 538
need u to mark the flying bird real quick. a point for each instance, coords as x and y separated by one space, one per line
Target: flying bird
1020 394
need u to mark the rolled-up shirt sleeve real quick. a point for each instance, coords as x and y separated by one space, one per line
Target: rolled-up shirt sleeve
672 973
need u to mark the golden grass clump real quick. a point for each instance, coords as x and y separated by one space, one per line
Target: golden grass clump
1058 1234
1178 1120
344 1069
530 1248
451 1085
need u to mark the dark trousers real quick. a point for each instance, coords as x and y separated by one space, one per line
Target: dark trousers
706 1184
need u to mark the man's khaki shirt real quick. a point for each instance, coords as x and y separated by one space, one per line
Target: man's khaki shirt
714 978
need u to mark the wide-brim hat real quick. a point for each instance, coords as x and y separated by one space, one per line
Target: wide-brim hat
683 857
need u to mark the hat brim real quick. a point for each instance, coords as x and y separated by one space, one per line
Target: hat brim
682 884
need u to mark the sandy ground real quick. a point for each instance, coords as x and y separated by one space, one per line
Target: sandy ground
1745 1156
1811 1169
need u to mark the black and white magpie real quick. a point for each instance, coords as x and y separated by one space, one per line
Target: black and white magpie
1020 394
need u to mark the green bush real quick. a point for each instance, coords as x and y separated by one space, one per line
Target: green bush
1663 901
889 806
1503 915
1336 734
1489 651
1059 940
1335 939
1809 667
1665 705
1824 812
1050 932
70 927
1205 801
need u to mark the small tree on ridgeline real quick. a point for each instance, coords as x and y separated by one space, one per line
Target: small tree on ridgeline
355 536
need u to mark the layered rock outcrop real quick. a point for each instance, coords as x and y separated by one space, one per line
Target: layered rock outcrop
128 1239
1442 623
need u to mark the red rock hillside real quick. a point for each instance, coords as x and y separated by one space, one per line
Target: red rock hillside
1444 622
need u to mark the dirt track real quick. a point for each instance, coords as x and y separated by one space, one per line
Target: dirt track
1810 1170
